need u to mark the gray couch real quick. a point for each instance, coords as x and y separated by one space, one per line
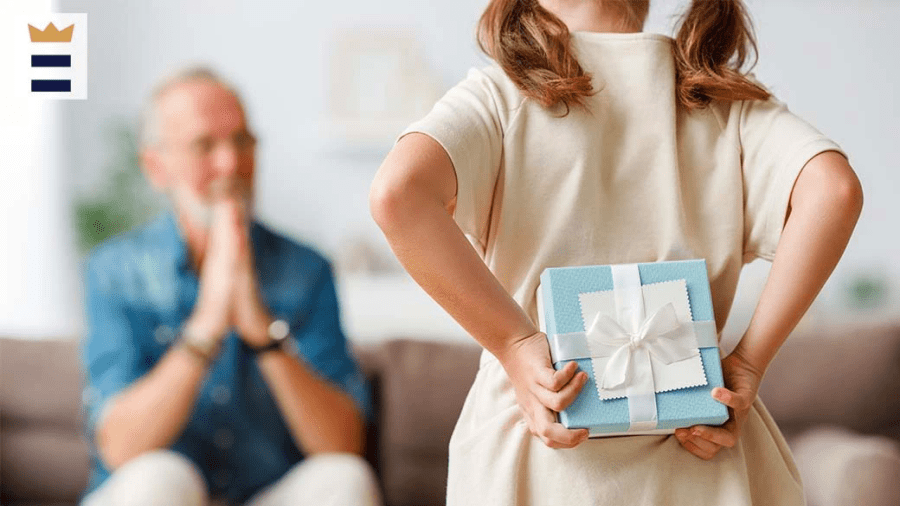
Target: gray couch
836 395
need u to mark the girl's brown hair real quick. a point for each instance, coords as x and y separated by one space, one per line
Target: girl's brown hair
531 45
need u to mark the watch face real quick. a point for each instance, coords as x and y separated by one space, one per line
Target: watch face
278 330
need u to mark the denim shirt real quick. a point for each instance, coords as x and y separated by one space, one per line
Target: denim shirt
140 290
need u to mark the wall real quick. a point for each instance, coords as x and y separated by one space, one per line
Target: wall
38 282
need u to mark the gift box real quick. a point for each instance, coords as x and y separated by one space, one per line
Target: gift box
646 337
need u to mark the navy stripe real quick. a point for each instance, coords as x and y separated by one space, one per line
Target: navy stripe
51 85
51 60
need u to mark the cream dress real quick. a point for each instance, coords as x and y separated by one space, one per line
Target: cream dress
635 178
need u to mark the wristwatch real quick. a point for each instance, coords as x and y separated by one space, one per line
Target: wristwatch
277 332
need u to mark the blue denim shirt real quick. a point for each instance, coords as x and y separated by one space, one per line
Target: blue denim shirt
140 289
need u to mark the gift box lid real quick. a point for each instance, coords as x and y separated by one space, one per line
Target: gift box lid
560 287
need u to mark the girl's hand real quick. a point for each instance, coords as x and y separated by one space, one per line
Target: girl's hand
541 390
742 380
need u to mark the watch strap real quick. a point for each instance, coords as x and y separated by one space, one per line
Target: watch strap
278 332
271 346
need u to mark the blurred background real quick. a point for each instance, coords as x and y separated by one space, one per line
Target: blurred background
328 85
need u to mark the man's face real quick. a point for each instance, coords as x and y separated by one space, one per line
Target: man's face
206 151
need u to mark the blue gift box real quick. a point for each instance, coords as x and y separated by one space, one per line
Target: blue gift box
561 314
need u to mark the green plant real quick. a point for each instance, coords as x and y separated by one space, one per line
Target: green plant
867 290
123 201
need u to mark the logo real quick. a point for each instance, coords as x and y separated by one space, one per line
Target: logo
51 34
52 56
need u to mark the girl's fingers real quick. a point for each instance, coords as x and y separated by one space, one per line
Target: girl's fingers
558 401
690 446
571 390
553 434
554 380
704 444
716 435
735 400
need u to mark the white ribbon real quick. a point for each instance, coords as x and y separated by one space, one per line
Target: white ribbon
574 346
659 335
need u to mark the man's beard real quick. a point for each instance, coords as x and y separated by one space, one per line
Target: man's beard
200 211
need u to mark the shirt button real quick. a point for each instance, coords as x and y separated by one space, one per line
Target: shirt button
221 395
223 439
163 334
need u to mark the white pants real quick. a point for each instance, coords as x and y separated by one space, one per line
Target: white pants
166 478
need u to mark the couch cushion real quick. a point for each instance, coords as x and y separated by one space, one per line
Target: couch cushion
40 382
845 376
423 387
43 463
369 358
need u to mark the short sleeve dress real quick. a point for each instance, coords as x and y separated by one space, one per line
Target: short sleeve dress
634 177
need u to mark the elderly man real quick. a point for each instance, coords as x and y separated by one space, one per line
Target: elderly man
216 366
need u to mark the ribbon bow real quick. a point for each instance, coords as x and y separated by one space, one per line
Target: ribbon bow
658 334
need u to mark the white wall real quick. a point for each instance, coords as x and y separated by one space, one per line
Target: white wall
38 283
278 53
831 60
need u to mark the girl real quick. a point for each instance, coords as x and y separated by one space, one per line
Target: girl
592 142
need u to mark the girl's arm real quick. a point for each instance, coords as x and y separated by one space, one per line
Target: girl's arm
412 199
825 205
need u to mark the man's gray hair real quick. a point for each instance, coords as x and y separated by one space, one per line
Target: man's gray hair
150 129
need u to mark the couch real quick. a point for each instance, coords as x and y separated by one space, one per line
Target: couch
835 393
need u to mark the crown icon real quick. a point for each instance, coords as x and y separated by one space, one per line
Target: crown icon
51 34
